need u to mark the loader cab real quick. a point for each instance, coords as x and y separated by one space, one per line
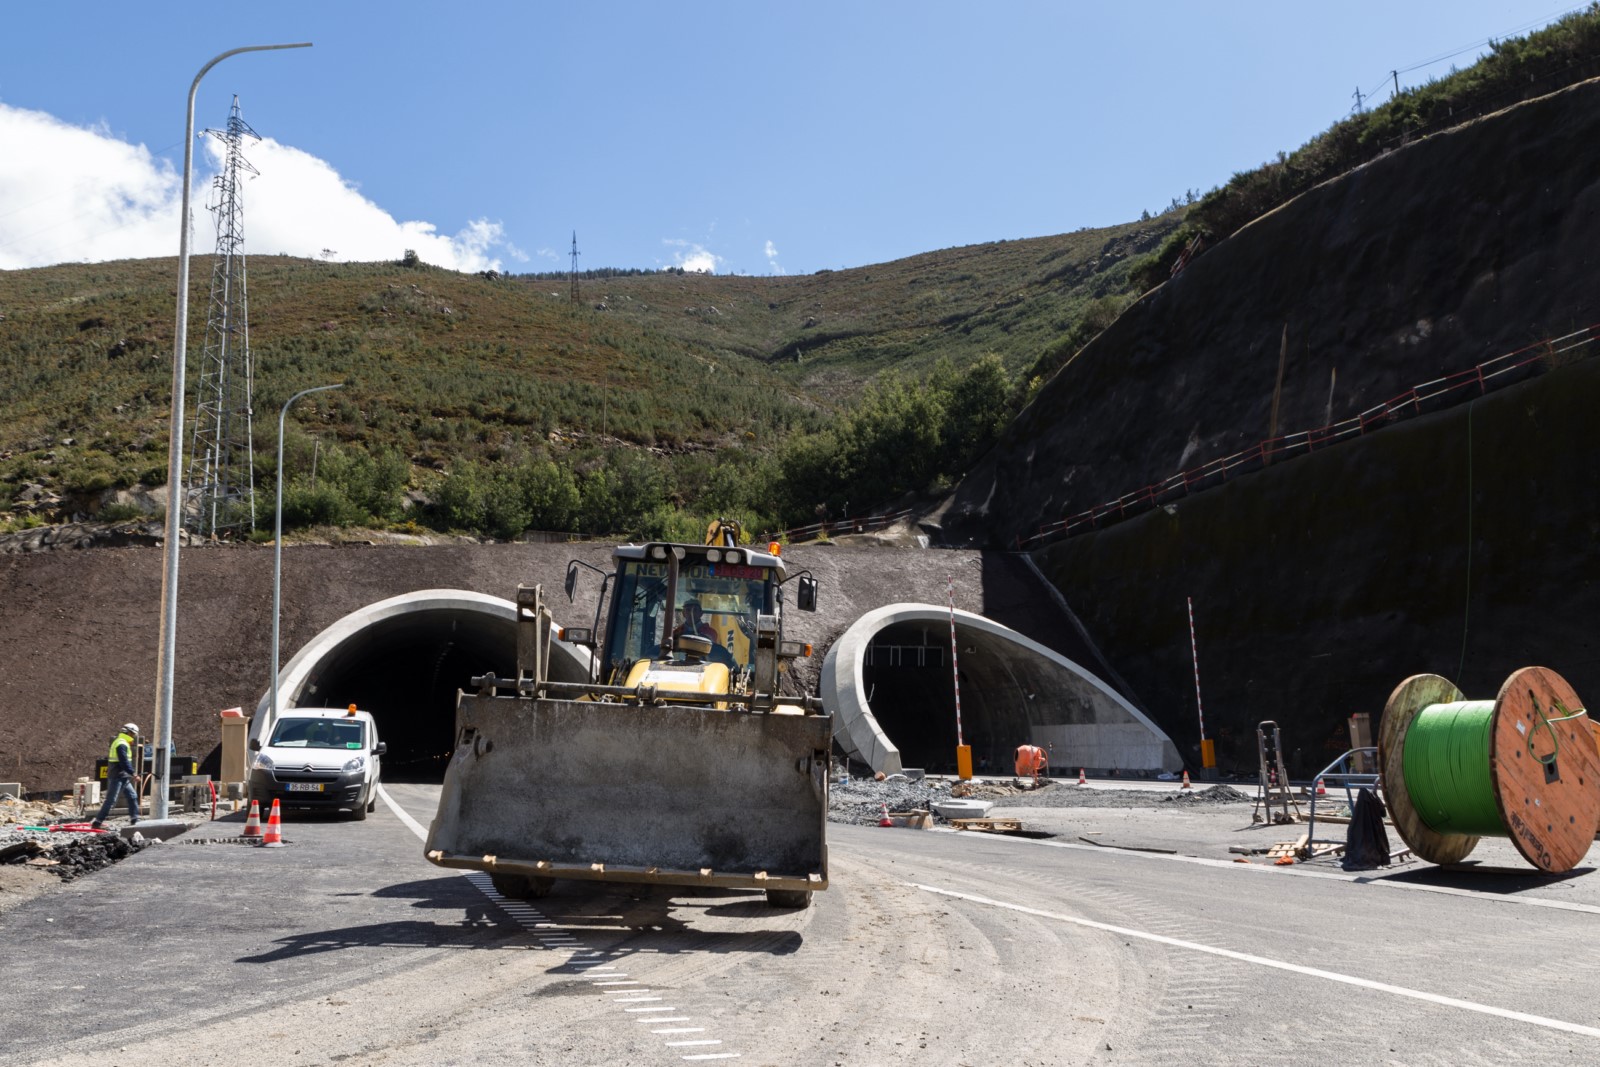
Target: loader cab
690 604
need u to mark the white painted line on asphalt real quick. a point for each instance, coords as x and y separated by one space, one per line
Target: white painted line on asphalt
536 923
618 982
401 813
1296 872
677 1029
1263 961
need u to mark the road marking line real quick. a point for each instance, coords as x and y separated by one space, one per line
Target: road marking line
403 815
677 1029
639 1000
534 921
685 1044
618 982
1263 961
1296 872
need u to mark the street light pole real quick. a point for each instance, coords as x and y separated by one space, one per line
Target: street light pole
166 654
277 548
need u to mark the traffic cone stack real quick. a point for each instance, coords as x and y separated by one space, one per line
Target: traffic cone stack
1185 784
1083 779
252 825
274 835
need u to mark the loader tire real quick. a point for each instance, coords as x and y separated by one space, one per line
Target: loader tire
521 887
789 898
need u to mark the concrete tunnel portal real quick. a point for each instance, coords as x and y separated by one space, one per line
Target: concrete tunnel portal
887 680
403 659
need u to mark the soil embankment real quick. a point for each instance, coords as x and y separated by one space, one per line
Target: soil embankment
79 635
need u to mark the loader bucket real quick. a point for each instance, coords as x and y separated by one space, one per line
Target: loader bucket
635 793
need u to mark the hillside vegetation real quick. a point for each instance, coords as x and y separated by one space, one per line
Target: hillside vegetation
1516 69
492 405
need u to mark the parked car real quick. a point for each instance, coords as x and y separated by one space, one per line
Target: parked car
320 758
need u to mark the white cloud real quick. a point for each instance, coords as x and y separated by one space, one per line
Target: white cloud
772 259
69 193
693 257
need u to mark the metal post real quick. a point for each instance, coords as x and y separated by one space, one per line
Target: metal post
277 550
1208 753
963 753
166 653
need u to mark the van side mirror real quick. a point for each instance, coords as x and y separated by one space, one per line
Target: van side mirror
806 597
255 744
380 748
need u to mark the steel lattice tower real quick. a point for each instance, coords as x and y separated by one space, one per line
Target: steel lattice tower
220 497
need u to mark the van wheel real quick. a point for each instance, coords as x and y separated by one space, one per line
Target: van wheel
789 898
359 812
372 805
521 887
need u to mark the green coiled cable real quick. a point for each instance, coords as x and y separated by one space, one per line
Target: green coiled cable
1446 766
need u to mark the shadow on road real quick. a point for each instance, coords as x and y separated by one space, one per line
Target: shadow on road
618 923
1504 881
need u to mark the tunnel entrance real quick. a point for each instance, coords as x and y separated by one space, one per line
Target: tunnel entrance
888 679
909 690
403 659
406 670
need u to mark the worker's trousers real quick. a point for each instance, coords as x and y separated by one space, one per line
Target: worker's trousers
120 784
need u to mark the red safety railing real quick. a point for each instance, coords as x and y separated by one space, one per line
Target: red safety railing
863 524
1429 396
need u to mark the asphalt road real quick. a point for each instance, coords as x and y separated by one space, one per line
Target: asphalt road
931 948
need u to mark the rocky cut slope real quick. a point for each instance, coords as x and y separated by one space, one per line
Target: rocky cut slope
1458 541
1460 247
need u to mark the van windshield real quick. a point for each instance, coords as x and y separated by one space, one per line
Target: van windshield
317 733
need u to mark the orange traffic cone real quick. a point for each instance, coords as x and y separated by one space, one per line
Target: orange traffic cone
1082 779
252 825
274 835
886 821
1185 784
1321 790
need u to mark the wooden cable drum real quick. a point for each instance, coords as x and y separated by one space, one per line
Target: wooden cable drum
1525 766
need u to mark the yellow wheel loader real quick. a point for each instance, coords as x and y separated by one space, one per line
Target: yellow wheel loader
677 762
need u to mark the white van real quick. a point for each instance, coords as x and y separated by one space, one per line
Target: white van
323 758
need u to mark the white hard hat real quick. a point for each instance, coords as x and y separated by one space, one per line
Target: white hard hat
131 728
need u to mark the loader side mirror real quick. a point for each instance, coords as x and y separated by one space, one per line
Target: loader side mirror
806 596
572 581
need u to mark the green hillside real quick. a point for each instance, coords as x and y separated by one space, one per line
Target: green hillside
498 405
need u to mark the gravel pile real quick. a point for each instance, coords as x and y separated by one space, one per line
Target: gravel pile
860 801
65 855
1217 794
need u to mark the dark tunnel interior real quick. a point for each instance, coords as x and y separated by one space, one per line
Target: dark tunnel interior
406 670
910 692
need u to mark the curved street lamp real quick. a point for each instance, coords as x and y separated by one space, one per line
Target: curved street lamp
277 547
166 654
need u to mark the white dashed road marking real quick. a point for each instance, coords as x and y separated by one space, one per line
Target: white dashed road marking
597 972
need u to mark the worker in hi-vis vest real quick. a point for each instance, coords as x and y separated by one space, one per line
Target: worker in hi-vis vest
119 775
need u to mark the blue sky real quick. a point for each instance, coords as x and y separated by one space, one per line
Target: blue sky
751 138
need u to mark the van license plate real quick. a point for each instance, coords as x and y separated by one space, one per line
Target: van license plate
305 787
